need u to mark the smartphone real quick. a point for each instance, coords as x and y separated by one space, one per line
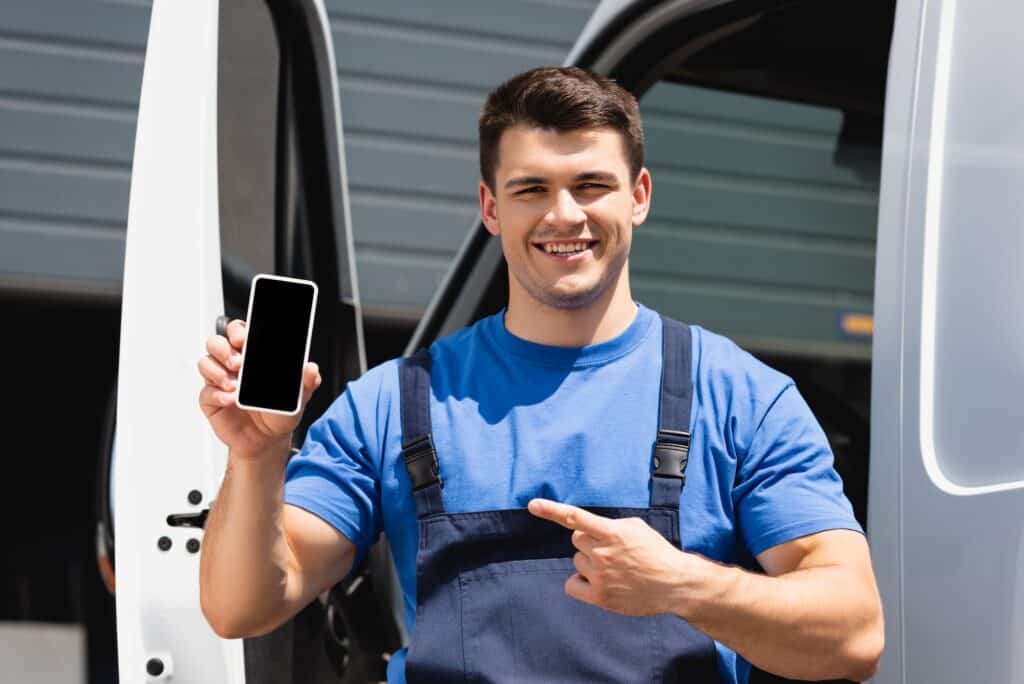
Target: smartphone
280 328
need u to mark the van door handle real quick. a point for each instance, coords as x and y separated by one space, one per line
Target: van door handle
188 519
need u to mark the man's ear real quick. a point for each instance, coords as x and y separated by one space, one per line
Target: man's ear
641 197
488 209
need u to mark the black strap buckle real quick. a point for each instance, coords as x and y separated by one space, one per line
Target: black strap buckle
421 462
671 453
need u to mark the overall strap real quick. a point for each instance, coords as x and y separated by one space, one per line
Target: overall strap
672 446
417 444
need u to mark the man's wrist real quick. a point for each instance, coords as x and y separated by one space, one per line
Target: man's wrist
273 454
705 585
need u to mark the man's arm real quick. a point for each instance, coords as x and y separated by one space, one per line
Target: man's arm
262 561
816 615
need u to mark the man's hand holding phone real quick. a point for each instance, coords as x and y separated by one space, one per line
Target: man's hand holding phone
247 433
257 384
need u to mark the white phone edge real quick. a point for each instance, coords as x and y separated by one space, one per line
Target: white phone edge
305 356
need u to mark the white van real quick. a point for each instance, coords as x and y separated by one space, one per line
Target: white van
906 329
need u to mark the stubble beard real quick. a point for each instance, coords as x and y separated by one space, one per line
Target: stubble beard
578 299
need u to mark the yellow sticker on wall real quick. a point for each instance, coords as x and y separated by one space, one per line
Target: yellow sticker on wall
856 324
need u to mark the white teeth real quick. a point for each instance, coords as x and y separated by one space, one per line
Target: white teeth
565 248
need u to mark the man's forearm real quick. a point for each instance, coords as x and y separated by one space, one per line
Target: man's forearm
812 623
243 567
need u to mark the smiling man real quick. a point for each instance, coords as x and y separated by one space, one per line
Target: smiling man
568 204
575 489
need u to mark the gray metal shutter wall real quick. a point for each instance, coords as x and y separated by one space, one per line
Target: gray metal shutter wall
754 231
413 77
70 74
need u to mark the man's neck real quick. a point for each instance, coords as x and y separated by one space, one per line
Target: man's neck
600 321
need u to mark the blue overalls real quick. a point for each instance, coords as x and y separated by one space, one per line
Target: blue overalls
491 604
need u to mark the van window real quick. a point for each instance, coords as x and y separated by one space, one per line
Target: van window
247 104
763 221
762 228
973 292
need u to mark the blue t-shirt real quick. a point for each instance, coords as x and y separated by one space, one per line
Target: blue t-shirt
513 420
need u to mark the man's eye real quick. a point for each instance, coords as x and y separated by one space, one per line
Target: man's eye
530 190
591 186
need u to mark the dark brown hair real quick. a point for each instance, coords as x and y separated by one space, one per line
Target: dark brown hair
560 99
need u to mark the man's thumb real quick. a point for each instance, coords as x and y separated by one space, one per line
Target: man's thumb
310 380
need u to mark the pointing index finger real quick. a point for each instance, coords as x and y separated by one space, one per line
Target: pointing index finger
571 517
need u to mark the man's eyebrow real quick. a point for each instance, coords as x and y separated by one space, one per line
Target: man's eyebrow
596 176
524 181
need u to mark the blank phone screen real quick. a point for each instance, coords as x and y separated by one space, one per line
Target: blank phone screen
275 347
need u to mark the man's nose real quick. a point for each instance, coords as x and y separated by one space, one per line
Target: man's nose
566 211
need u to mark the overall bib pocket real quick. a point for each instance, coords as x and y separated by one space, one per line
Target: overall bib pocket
518 625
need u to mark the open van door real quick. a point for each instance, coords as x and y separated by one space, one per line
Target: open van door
947 477
238 169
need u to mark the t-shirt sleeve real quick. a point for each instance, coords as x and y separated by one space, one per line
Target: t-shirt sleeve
336 474
786 485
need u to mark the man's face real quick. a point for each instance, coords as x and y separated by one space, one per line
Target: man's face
564 208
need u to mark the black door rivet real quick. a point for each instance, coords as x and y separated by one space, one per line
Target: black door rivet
164 543
192 545
195 496
155 666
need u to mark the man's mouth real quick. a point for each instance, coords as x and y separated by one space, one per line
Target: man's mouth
565 249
